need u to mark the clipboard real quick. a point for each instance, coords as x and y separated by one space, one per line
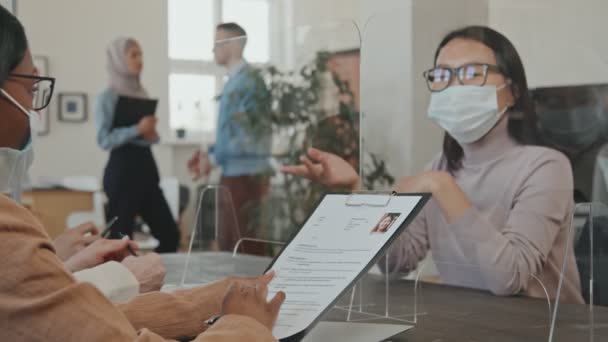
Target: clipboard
129 110
351 201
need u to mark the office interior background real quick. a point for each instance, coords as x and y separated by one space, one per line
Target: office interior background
379 49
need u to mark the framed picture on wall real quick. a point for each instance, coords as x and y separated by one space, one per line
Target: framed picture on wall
73 107
42 64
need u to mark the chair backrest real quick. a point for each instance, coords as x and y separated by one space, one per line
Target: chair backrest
591 251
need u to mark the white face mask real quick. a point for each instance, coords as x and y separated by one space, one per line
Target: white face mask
14 164
467 113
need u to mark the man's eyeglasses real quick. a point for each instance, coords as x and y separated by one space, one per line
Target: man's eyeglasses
476 74
42 92
222 42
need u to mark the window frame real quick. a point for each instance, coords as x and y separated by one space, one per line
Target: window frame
209 68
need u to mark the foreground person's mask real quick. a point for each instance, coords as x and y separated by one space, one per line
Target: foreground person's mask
14 163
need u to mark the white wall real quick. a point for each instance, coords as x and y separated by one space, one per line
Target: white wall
400 38
386 87
73 35
320 24
432 20
561 42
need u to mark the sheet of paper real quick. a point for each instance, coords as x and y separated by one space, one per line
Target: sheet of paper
330 251
354 332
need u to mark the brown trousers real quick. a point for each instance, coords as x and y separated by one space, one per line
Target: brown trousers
247 194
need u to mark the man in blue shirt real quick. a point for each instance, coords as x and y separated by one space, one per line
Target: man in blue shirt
243 139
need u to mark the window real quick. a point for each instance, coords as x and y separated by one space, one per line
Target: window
254 16
191 27
190 104
194 79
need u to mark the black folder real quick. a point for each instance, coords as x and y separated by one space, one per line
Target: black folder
129 110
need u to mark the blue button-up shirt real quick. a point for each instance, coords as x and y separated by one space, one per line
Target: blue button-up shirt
237 150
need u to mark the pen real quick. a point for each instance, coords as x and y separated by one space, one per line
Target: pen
108 229
128 246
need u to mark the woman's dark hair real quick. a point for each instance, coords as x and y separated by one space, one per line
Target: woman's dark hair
13 43
522 116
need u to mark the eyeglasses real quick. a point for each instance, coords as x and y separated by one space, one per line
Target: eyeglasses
42 92
222 42
476 74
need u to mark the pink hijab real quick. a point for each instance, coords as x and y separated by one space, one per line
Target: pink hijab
121 80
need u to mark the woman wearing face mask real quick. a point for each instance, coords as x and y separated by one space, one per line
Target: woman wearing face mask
90 260
131 176
39 298
500 209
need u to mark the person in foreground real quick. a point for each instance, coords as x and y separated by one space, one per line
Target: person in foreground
89 257
41 300
500 210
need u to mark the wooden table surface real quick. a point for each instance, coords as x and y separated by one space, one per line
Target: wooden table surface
445 313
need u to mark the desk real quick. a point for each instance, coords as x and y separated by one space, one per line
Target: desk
450 313
53 206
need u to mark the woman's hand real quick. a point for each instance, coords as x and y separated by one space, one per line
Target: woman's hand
147 128
99 252
74 240
453 202
325 168
249 299
149 271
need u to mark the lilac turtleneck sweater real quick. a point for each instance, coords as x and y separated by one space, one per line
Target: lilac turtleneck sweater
514 237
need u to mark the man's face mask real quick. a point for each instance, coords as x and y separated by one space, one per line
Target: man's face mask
14 163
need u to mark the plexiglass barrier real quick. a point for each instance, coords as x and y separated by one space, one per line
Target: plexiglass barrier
584 318
309 100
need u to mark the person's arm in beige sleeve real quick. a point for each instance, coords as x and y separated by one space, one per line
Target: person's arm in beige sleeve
184 310
232 328
176 315
40 300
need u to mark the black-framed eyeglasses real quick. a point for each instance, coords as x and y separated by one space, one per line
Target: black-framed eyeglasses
476 74
42 92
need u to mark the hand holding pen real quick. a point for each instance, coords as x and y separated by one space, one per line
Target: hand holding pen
126 237
108 232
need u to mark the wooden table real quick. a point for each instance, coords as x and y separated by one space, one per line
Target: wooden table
445 313
53 206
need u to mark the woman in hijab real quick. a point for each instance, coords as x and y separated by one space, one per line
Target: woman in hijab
131 177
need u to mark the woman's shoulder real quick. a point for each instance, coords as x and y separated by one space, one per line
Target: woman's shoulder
107 93
438 163
539 155
14 215
524 156
545 167
106 99
529 159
